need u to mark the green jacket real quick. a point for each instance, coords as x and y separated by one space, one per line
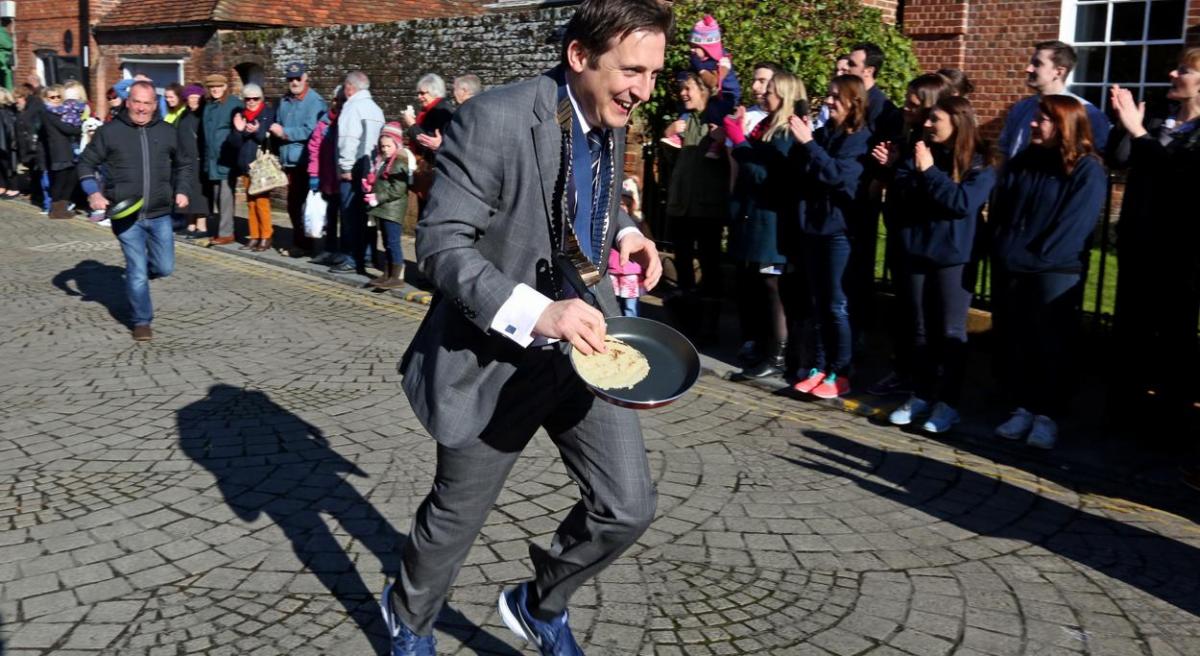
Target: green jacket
391 193
699 185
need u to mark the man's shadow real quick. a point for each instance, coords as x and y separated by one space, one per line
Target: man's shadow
268 460
97 282
1155 564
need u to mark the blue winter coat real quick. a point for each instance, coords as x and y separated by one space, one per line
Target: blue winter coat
763 192
828 170
933 216
217 121
1042 217
298 118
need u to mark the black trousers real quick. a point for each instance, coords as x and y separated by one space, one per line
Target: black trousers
1036 319
694 236
937 302
1158 307
62 184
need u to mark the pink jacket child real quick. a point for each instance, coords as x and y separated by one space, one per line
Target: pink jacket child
627 281
322 154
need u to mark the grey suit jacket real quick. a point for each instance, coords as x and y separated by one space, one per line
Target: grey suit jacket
485 229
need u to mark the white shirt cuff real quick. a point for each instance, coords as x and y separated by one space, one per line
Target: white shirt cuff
625 231
519 314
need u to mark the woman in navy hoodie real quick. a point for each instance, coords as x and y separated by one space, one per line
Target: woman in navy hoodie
829 163
1045 208
935 199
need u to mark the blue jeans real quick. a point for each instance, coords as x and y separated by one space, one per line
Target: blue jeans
830 342
45 184
629 306
149 246
351 220
391 240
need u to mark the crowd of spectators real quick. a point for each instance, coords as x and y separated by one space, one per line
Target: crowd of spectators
785 190
788 189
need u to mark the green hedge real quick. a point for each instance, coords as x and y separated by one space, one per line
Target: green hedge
803 37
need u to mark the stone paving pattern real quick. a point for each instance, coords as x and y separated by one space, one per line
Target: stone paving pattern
241 486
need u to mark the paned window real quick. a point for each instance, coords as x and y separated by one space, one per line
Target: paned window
1133 43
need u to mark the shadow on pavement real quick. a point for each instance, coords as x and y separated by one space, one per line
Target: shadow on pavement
268 460
983 505
97 282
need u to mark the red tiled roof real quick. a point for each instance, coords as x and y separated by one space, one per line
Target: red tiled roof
281 13
146 13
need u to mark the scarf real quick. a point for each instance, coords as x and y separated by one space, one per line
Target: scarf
379 169
426 109
251 115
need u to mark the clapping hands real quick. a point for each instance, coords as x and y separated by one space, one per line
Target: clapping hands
1129 113
801 128
886 153
922 156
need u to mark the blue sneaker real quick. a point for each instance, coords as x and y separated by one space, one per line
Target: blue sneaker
552 638
404 641
911 409
943 418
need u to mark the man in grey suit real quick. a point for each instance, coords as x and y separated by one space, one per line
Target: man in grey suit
526 170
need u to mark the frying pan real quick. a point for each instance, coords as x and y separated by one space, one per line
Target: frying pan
125 208
674 362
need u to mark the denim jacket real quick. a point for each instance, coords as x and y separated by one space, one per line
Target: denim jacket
298 116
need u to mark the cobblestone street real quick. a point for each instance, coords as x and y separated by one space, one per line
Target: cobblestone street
241 485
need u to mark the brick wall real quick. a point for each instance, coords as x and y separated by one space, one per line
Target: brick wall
43 25
197 47
888 7
991 40
499 48
1193 32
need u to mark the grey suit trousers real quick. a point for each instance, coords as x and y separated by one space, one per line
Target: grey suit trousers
602 448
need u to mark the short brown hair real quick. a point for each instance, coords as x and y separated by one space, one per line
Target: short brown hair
597 22
1061 53
853 94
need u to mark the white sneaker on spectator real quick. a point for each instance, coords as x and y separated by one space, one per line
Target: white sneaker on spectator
1044 434
941 420
1017 426
904 415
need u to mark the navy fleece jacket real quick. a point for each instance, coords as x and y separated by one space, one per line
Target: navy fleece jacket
828 171
1042 216
934 216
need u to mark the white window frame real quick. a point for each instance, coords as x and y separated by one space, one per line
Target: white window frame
128 63
1066 32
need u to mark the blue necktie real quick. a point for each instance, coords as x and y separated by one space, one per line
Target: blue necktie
591 233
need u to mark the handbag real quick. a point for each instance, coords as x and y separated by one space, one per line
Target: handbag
266 173
314 215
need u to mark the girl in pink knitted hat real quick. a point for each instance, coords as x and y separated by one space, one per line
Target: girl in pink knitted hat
713 64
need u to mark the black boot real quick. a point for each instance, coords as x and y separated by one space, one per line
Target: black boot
772 365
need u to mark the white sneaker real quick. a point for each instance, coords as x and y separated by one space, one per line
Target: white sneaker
1044 434
942 419
903 415
1017 426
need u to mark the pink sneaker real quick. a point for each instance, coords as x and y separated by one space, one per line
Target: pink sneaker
815 376
674 141
832 387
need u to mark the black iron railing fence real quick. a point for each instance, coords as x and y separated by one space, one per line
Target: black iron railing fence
1098 297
